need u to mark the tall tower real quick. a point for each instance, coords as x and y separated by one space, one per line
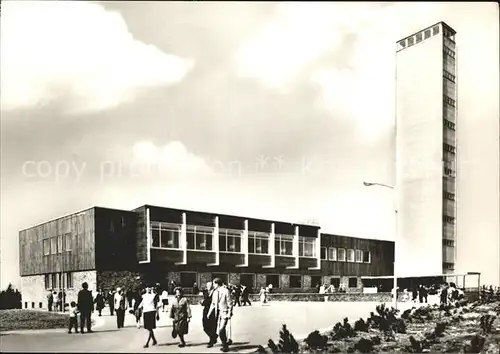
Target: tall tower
426 152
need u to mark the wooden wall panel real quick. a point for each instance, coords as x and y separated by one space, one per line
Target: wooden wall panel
258 260
281 262
200 257
141 236
200 219
231 258
259 225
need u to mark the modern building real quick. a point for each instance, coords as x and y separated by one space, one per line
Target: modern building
109 248
426 157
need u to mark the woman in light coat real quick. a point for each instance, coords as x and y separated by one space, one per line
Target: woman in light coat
180 313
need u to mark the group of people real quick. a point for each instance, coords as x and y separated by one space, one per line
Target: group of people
56 300
329 289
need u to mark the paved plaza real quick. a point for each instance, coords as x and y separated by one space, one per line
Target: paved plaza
251 326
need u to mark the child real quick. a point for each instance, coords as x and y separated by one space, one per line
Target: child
73 317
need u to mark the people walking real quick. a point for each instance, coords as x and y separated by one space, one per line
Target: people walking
164 299
55 301
85 306
221 304
99 302
180 313
149 307
196 290
209 322
245 293
120 307
237 295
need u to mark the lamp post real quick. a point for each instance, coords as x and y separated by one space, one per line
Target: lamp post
395 284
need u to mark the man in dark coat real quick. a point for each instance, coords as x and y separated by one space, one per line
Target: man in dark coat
237 295
245 293
85 306
209 322
111 302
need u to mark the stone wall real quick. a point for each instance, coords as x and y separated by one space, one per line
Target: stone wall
110 280
33 290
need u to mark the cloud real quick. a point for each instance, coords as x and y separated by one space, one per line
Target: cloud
77 51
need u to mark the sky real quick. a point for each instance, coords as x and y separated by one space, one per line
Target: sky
268 109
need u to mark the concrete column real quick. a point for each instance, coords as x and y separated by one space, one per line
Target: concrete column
244 245
215 243
272 250
295 249
183 240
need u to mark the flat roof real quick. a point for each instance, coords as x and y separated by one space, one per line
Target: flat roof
421 276
439 23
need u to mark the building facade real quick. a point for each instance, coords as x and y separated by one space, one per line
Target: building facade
109 248
426 152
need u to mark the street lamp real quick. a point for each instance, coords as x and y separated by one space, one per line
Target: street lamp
395 285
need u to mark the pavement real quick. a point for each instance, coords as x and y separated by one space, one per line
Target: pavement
251 326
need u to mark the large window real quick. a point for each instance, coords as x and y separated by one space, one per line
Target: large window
353 282
248 280
350 255
315 280
307 247
59 244
165 235
284 245
69 280
46 247
359 256
188 279
367 257
229 240
332 254
200 238
54 281
273 279
341 255
47 281
68 242
295 281
335 282
53 245
258 243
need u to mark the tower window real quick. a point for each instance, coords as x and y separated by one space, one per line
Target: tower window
419 37
435 30
427 34
411 41
449 196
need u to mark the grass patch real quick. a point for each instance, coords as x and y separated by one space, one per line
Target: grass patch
12 320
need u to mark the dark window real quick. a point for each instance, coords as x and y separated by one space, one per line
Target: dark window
222 243
411 41
315 280
335 282
353 282
223 276
419 37
449 243
46 247
25 305
188 279
366 257
427 34
40 305
449 196
449 124
273 279
155 237
47 281
32 305
449 266
435 30
323 252
190 235
449 148
69 280
295 281
402 44
248 280
448 219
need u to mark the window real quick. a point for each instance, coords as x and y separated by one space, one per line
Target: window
295 281
419 37
353 282
170 235
341 255
69 280
449 124
449 76
427 33
449 148
68 242
54 284
53 245
359 256
402 44
199 238
411 41
59 244
448 219
187 279
449 52
332 253
449 101
307 247
367 257
315 280
449 266
449 243
46 247
229 240
223 276
335 282
47 281
449 196
155 237
248 280
350 255
273 279
435 30
258 243
284 245
323 253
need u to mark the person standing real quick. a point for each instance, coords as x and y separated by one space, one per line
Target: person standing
164 299
137 310
120 307
262 294
245 293
85 306
196 290
221 304
73 317
99 302
55 301
111 302
180 313
209 322
50 300
237 295
149 307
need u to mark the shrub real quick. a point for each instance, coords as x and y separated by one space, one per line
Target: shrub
360 326
364 345
476 344
376 340
341 331
286 344
316 341
439 329
487 323
10 299
415 346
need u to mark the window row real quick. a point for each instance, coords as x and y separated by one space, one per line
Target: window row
59 281
449 196
448 124
449 76
449 266
342 255
449 113
449 52
449 101
449 243
417 38
448 172
57 244
448 219
449 148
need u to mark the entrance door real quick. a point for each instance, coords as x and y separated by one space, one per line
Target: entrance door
248 280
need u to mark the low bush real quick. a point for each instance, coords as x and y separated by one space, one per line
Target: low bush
364 345
286 344
316 340
10 299
476 344
361 326
486 323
